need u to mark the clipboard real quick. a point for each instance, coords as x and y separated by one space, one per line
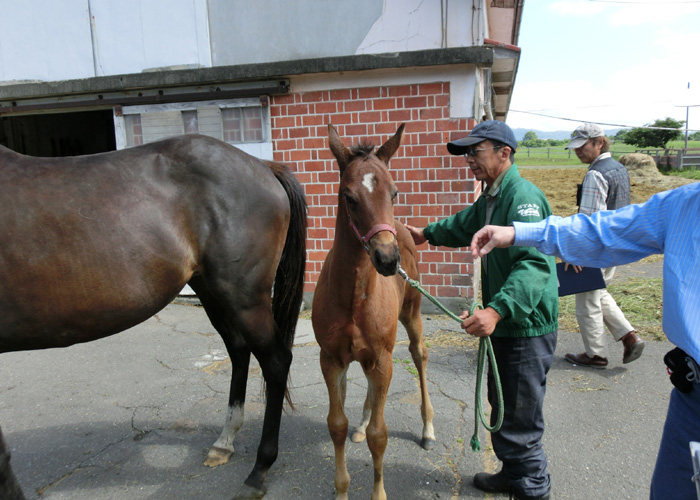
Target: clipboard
571 282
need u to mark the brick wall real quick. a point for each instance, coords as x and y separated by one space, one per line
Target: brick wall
432 183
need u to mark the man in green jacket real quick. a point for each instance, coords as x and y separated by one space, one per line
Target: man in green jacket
520 296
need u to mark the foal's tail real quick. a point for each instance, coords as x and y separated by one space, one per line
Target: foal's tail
289 281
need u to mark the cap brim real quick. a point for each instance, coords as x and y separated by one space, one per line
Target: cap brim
576 143
461 146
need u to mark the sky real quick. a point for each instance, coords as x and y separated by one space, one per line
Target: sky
618 63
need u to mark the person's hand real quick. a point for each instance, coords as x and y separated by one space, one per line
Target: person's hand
577 269
480 324
417 234
489 237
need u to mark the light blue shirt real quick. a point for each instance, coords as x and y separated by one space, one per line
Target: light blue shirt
668 223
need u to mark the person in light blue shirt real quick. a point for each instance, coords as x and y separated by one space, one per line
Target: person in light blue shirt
668 223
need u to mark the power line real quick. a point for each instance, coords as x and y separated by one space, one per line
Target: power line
597 123
650 2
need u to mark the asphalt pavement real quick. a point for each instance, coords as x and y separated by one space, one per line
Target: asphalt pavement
132 417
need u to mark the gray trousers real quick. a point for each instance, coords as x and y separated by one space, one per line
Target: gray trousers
594 311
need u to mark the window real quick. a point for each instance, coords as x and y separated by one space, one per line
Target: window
243 123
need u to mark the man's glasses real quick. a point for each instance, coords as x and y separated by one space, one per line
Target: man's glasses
474 151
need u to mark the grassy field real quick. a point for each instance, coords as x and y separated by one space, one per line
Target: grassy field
560 156
639 298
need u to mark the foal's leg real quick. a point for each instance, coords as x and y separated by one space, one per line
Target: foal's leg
378 379
361 432
411 320
335 376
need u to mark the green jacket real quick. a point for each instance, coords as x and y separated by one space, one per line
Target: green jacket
520 282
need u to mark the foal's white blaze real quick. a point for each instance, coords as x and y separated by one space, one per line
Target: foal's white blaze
368 182
234 421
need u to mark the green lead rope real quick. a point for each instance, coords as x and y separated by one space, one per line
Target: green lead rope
485 348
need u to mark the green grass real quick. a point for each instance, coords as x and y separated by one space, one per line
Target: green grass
559 156
639 298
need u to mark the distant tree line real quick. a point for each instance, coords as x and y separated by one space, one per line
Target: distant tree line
651 135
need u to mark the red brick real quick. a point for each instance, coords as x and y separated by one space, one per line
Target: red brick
298 132
340 95
298 109
400 91
325 107
309 120
415 102
432 138
386 103
398 163
312 96
416 127
431 113
369 116
416 199
416 174
368 93
400 115
431 88
282 99
359 105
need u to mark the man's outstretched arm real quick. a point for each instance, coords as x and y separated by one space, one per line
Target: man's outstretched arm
490 237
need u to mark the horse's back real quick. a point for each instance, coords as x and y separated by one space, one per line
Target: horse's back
98 243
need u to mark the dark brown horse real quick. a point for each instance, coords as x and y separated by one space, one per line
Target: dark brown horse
359 299
94 245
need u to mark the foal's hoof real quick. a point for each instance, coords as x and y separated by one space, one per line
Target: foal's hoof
249 493
358 437
218 456
427 443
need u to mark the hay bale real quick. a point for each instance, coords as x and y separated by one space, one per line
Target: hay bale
640 165
643 170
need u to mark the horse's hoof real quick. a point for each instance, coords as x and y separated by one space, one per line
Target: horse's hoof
218 456
249 493
427 443
358 437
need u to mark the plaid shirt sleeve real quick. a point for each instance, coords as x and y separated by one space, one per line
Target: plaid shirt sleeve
593 193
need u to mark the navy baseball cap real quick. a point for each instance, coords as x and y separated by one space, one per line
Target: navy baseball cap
492 130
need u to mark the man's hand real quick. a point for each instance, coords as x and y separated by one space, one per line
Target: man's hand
417 234
577 269
489 237
482 323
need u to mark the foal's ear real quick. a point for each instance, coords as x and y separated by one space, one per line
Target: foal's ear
341 153
389 147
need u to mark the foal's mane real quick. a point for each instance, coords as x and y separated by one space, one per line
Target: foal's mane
363 149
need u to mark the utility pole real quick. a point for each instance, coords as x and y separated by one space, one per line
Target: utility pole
686 121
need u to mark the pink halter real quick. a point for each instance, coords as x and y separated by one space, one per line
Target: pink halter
376 229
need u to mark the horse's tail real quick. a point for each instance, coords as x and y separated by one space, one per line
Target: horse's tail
288 291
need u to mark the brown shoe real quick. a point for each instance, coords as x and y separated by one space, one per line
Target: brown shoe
584 360
633 347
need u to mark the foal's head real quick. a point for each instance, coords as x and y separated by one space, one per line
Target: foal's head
366 197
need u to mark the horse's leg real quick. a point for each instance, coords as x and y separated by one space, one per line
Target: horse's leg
9 487
361 432
335 376
222 450
274 358
419 352
378 378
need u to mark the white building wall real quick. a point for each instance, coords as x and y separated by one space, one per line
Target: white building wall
53 40
45 40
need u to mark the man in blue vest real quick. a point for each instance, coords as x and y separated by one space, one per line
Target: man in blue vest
606 186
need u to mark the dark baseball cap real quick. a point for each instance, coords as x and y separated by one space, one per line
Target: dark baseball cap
490 130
